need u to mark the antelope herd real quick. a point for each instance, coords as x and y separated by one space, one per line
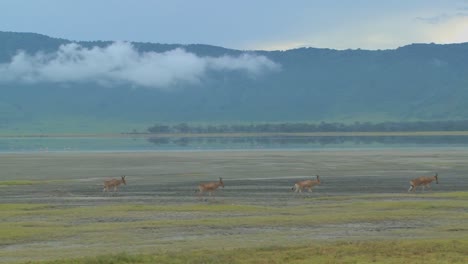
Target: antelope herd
211 187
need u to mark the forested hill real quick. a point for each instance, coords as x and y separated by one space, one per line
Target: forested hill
410 83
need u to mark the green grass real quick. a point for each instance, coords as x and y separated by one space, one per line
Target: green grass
393 251
29 231
222 215
133 228
40 222
21 182
165 224
452 195
29 182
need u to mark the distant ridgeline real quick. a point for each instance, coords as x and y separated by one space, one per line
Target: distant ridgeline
305 127
422 82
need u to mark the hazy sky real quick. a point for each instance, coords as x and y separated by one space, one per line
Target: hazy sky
245 24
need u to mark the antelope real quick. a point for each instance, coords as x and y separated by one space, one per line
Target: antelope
306 184
113 183
209 187
424 181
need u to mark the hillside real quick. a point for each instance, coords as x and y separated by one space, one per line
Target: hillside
414 82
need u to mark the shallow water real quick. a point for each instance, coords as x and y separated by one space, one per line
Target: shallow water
109 144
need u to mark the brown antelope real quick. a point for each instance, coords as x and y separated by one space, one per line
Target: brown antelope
306 184
424 181
113 183
209 187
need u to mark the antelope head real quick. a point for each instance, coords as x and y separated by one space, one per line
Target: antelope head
123 180
318 178
221 182
436 178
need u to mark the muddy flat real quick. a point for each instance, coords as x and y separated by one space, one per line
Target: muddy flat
53 204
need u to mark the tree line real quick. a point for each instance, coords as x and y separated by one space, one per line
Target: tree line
460 125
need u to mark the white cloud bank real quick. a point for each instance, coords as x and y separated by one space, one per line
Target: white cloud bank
121 63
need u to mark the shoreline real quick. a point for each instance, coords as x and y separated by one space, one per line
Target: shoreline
177 135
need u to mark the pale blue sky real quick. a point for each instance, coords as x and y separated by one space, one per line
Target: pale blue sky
245 24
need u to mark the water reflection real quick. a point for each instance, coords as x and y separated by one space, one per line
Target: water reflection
311 141
46 144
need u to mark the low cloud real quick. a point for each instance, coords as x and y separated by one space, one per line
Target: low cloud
121 63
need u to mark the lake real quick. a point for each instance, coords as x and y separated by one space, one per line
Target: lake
139 143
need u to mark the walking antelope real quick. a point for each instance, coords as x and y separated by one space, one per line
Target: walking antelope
113 183
209 187
306 184
424 181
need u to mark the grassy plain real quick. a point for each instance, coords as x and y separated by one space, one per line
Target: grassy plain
53 209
